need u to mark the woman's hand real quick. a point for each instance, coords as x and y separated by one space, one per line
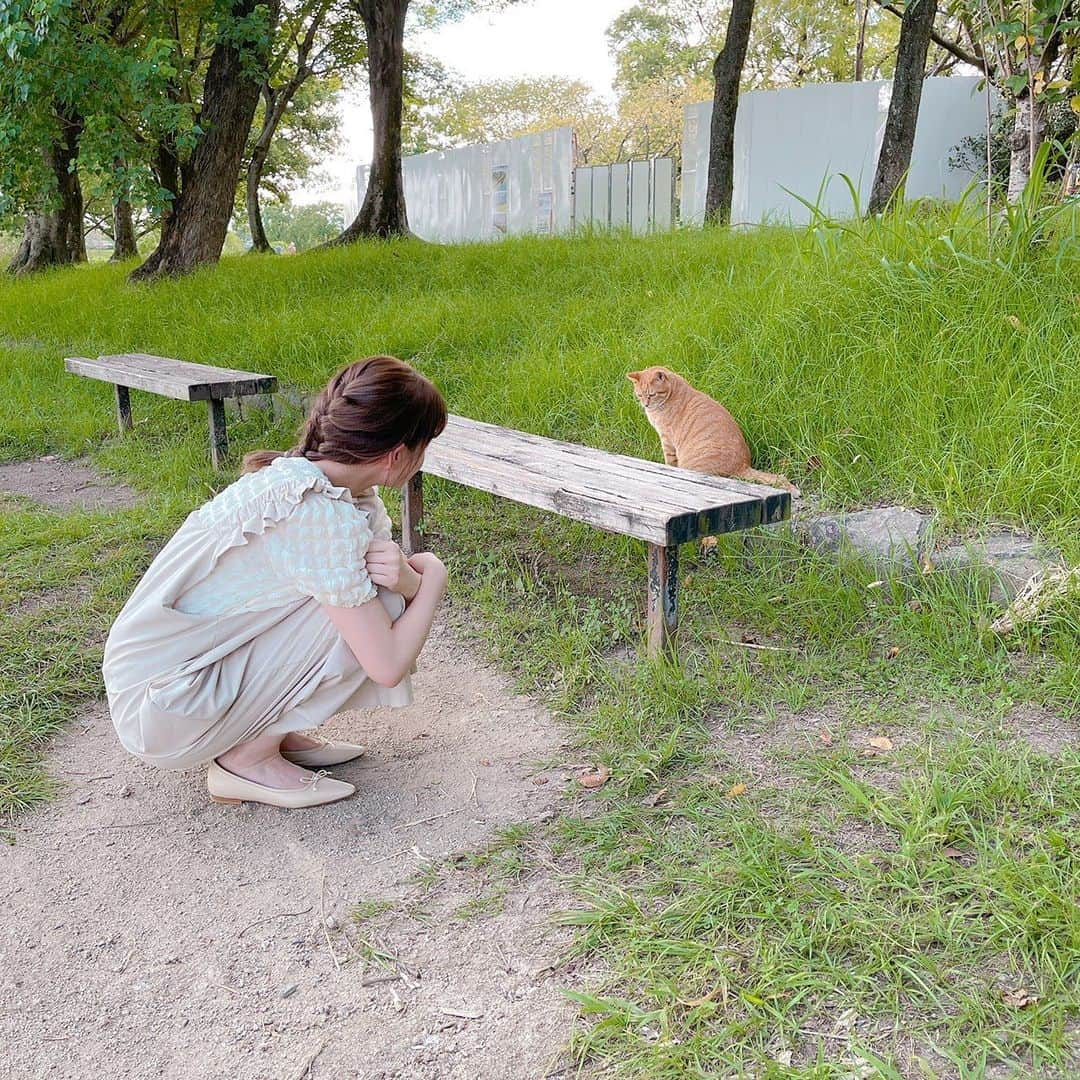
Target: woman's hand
388 567
430 567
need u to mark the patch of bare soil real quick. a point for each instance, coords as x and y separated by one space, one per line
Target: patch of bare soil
151 933
1044 731
65 485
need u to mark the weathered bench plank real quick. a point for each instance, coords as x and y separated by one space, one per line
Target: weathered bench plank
175 379
620 494
172 378
656 503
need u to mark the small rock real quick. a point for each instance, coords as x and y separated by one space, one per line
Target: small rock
892 536
126 791
331 923
172 959
83 798
288 991
1012 559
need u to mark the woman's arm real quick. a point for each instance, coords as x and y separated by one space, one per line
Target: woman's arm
387 650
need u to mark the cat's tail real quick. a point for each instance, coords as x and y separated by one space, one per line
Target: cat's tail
754 476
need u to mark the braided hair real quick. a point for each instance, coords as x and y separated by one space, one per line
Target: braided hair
364 411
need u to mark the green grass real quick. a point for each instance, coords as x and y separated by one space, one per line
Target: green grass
815 921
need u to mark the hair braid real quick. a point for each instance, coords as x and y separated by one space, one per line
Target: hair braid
365 410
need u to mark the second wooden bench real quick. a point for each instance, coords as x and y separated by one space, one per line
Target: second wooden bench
175 379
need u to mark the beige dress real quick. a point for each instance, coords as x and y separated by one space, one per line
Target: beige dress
224 637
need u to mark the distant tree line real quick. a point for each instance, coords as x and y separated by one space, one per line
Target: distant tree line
164 118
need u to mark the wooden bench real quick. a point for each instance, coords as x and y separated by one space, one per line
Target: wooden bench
656 503
175 379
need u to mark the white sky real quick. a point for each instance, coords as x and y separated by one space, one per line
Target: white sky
541 37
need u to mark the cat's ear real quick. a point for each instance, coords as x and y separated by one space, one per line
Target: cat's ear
634 376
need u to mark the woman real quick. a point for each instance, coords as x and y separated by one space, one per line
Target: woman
283 601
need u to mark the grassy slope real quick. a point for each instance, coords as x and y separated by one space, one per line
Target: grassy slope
733 928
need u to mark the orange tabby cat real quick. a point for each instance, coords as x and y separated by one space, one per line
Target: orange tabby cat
696 432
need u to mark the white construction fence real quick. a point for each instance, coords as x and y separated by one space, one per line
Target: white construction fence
522 185
788 143
634 195
802 139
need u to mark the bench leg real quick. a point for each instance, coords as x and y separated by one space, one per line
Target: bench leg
219 440
663 597
412 515
123 408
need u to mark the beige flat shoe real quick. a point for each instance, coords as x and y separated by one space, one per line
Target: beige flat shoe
320 757
227 787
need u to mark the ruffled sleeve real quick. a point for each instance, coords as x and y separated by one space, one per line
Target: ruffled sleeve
320 547
379 520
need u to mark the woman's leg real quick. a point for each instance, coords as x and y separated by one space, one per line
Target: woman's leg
260 760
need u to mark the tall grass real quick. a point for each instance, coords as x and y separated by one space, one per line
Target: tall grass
903 364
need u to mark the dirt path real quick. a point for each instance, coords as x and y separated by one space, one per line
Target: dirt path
149 932
63 484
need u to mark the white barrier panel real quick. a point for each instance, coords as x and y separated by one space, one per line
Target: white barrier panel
521 185
636 194
620 196
601 197
663 194
803 138
640 196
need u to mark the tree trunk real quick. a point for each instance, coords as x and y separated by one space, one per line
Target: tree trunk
1028 134
167 173
193 233
124 246
259 241
899 139
727 71
276 104
383 212
862 13
55 237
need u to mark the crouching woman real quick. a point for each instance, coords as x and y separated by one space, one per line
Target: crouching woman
283 601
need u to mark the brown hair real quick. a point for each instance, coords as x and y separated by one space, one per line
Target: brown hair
365 410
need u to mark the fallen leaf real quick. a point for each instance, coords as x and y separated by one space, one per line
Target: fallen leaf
538 780
776 599
597 778
693 1003
893 652
875 584
485 762
952 853
783 1057
1018 997
825 735
748 639
655 798
915 605
927 565
813 462
734 790
1014 322
879 744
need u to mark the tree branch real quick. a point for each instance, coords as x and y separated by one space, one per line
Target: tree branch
949 46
